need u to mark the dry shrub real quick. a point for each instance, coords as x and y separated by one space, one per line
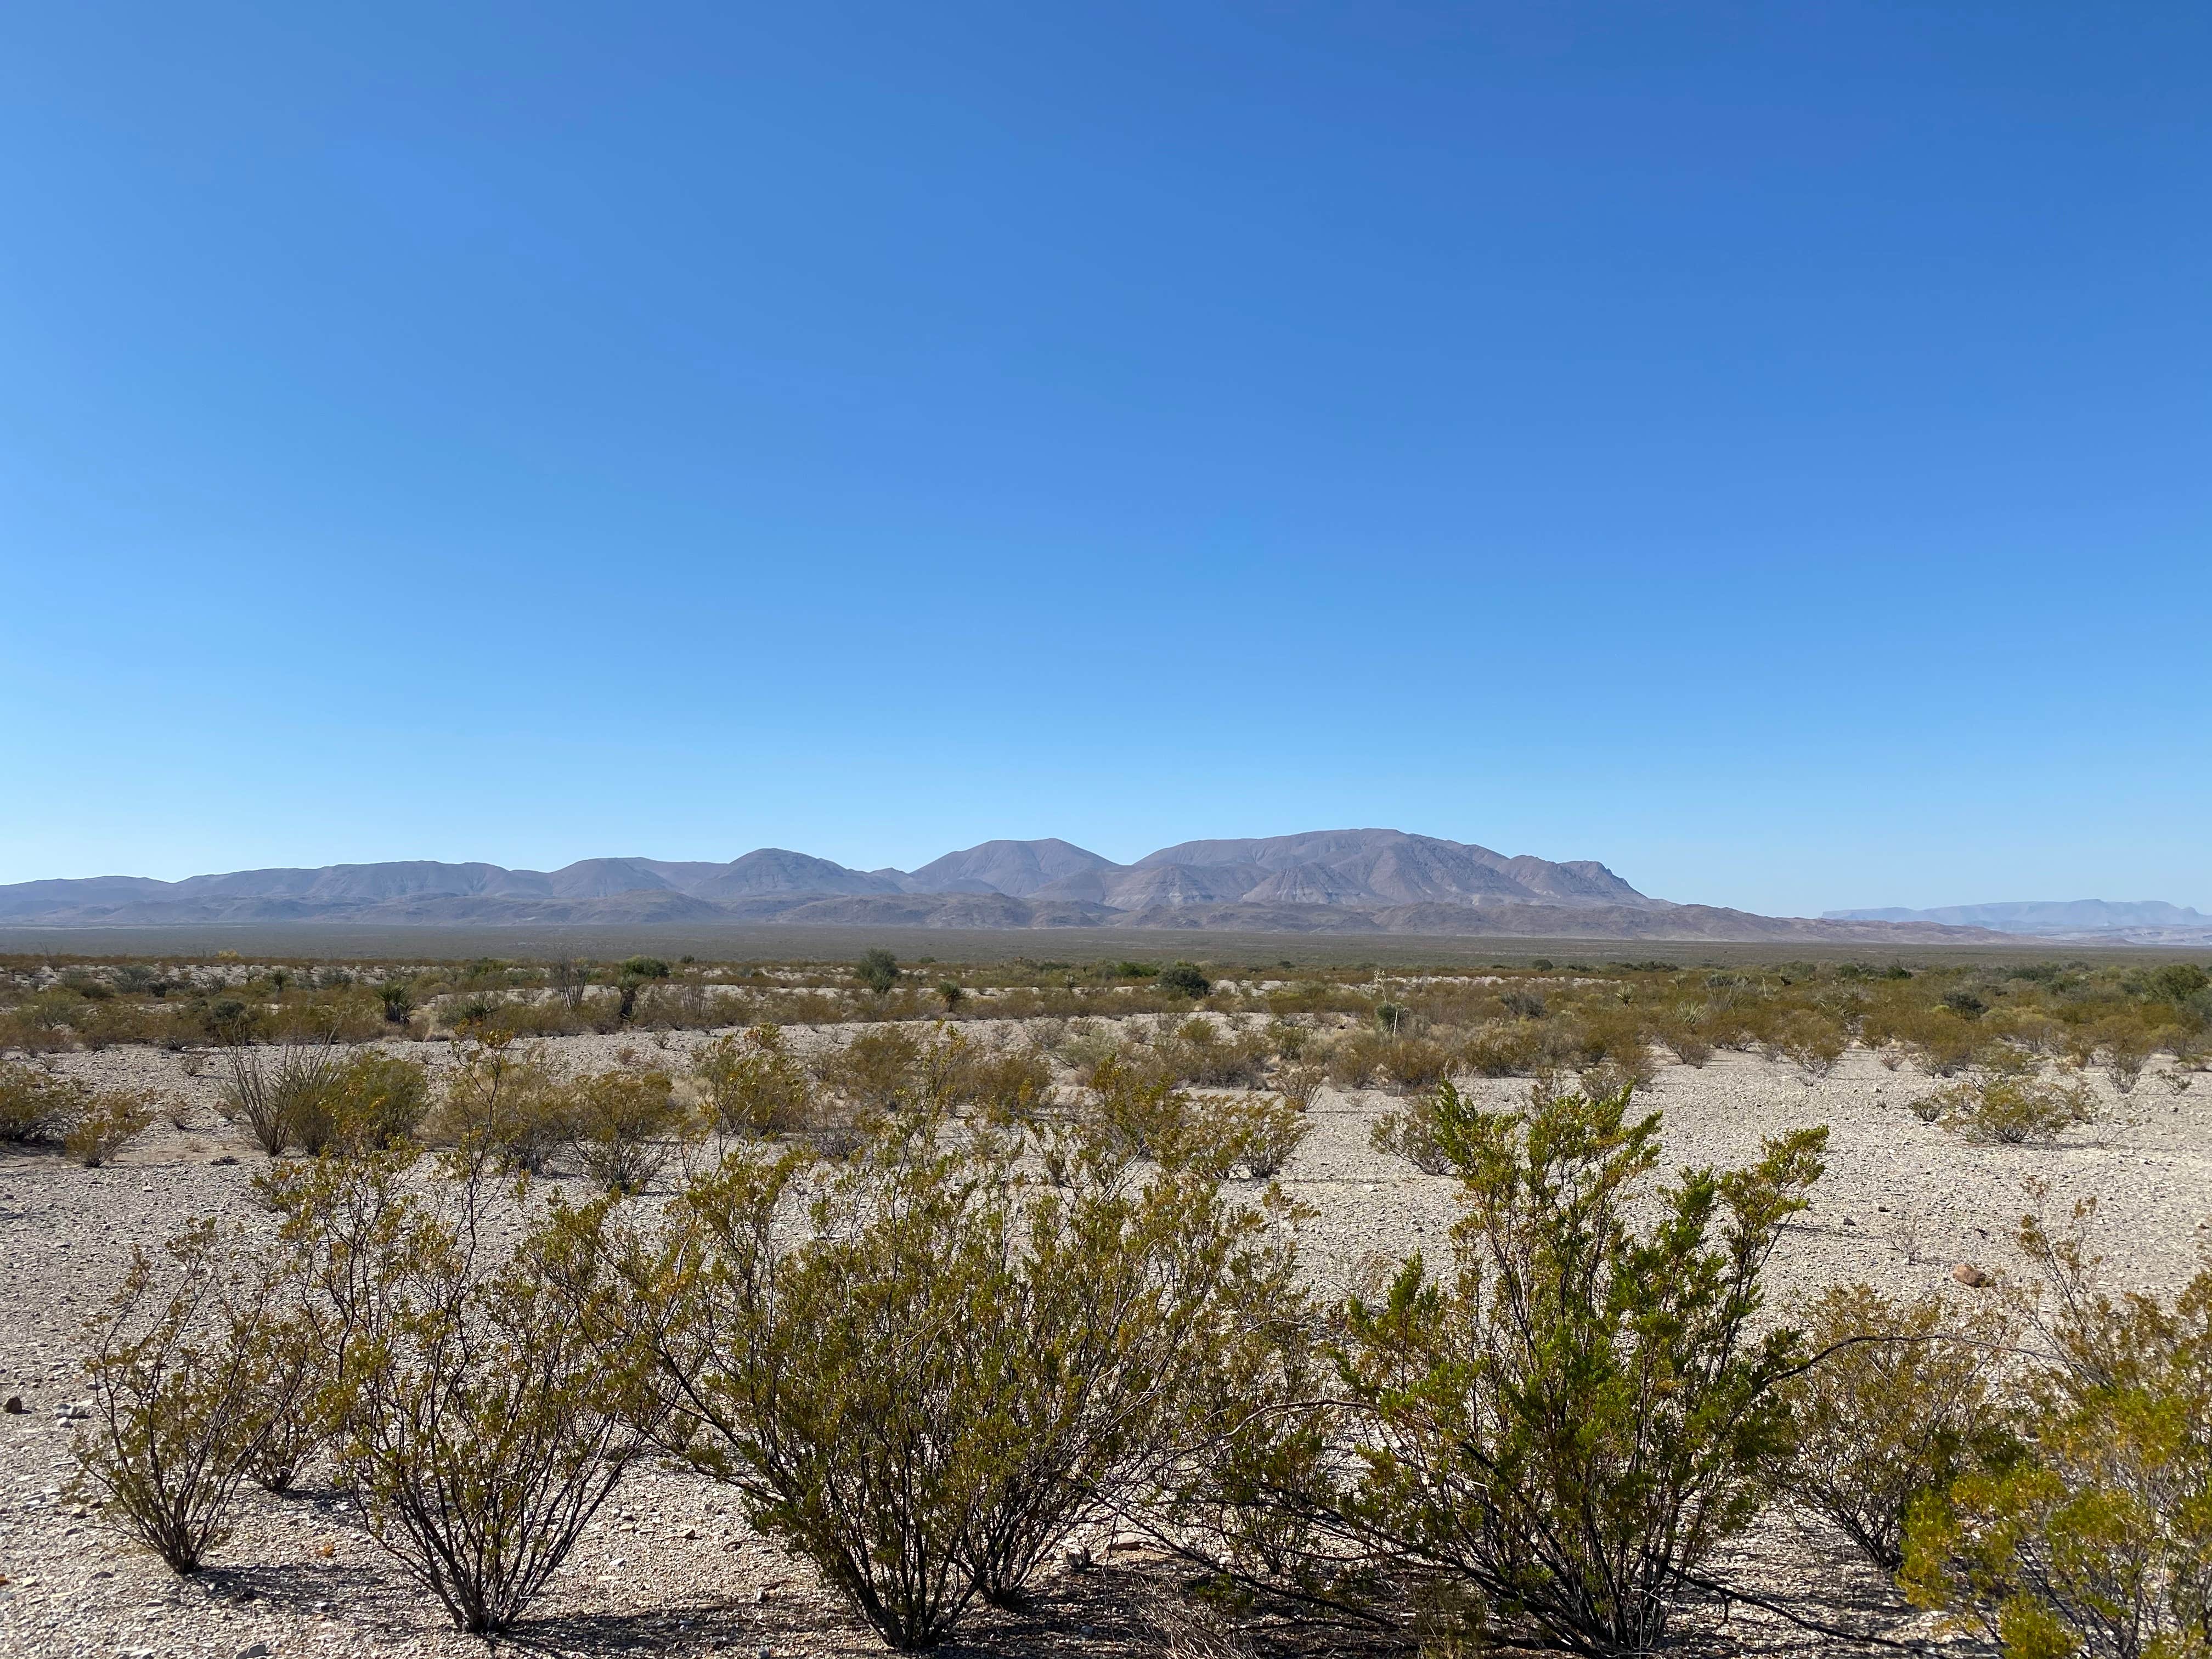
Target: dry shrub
274 1097
1011 1085
876 1073
1900 1401
1941 1044
753 1086
185 1392
1087 1045
1414 1063
506 1106
482 1407
620 1126
1682 1032
1615 1036
1198 1053
90 1126
1812 1042
1517 1049
37 1105
110 1120
1261 1131
1353 1060
2125 1045
1299 1082
2008 1108
1410 1132
43 1024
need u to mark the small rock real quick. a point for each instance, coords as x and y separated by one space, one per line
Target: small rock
15 1407
1969 1275
253 1649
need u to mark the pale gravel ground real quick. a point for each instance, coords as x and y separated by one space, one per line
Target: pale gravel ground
669 1568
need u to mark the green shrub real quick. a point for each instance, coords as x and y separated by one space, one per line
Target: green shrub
942 1374
109 1122
879 970
1901 1402
1568 1425
2177 981
505 1105
752 1086
368 1100
2096 1540
37 1105
1183 979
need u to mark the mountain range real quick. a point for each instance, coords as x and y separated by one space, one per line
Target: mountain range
2104 922
1326 881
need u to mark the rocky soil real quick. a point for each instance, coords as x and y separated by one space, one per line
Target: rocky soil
670 1567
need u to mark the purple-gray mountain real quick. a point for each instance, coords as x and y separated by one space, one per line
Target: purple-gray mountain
1328 881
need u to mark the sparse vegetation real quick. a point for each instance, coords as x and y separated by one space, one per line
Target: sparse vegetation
973 1280
179 1366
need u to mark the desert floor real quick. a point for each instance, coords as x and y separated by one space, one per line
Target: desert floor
669 1566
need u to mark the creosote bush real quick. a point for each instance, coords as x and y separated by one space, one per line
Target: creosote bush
1902 1400
1556 1436
752 1086
2009 1107
109 1122
186 1388
480 1402
2096 1539
621 1126
505 1105
922 1372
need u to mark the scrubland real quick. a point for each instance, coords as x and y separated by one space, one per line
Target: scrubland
1131 1308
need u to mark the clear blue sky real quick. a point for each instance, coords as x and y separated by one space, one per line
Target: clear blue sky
1767 448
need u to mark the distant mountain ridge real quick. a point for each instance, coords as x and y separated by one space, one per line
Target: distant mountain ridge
2121 921
1324 881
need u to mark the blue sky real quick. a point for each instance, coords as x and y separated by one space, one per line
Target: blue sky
1764 447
